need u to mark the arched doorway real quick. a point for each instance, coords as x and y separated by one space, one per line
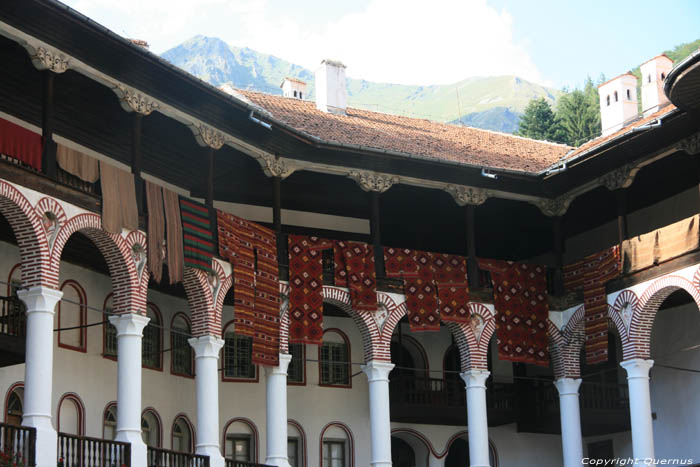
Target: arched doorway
458 455
402 454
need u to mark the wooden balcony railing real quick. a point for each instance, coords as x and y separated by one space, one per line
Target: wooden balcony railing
18 445
158 457
81 451
13 319
233 463
602 396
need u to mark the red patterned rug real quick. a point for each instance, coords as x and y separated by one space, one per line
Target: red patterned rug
453 290
306 288
354 269
520 299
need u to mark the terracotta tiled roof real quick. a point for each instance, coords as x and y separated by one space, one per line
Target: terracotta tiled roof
603 139
417 137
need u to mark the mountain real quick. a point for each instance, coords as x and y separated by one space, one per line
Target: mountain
493 103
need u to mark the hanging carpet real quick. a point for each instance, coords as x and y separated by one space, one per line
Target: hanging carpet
21 144
197 237
156 229
354 269
453 290
76 163
173 234
119 208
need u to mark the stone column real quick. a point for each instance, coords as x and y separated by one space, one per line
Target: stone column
38 370
379 421
570 412
640 408
206 355
277 413
477 419
129 336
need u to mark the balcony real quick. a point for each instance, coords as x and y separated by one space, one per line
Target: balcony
233 463
13 324
82 451
17 445
158 457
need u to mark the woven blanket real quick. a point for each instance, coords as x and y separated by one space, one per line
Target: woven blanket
416 268
20 143
520 299
197 236
119 208
453 290
266 342
156 229
76 163
306 288
173 236
354 269
591 273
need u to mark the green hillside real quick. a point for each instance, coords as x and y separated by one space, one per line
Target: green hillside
486 102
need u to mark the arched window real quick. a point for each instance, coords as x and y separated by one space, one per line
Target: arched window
109 332
663 76
109 422
14 404
71 414
334 359
150 345
238 356
296 373
180 349
182 435
616 96
296 444
150 428
607 99
295 93
300 95
72 310
241 440
649 78
629 95
337 446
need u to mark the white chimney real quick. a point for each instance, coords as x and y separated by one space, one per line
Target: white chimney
618 103
331 93
294 88
654 73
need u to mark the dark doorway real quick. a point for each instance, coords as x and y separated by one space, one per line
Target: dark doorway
402 454
458 455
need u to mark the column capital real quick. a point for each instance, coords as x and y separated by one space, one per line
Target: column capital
377 370
281 369
206 346
568 386
40 299
637 368
475 378
129 324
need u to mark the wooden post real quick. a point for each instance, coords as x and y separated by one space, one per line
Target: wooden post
558 249
277 219
622 232
48 155
136 161
375 234
472 266
210 179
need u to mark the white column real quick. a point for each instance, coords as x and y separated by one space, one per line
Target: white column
206 355
477 420
129 335
38 370
640 408
570 413
379 422
436 461
277 412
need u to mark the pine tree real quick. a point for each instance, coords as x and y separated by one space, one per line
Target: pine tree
578 114
540 122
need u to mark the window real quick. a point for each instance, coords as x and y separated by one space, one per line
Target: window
239 447
71 317
109 423
663 76
293 452
240 440
110 332
180 350
297 367
150 429
300 96
150 346
334 360
616 96
629 95
295 94
649 78
14 411
334 453
70 415
607 99
182 435
238 356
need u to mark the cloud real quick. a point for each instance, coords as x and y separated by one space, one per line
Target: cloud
399 41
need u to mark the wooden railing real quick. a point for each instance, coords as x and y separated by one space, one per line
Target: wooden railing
18 445
13 319
604 396
81 451
437 392
158 457
233 463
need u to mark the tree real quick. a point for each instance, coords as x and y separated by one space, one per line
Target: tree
540 122
578 114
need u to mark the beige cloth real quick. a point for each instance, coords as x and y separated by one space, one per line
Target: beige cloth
156 229
173 231
76 163
119 208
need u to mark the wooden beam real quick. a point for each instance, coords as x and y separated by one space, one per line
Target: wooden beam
558 250
48 155
375 233
277 220
621 200
472 266
210 178
136 161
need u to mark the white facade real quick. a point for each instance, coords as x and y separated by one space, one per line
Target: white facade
654 73
331 90
294 88
618 103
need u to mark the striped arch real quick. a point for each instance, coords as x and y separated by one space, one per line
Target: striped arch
31 237
364 321
409 432
284 318
125 257
205 297
649 304
565 345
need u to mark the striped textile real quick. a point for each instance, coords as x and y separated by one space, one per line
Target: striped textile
522 310
173 235
197 236
591 274
354 269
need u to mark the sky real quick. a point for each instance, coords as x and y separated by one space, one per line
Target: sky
552 42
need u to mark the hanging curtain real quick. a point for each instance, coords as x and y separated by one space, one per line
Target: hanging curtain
119 209
522 310
20 143
76 163
354 269
156 229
